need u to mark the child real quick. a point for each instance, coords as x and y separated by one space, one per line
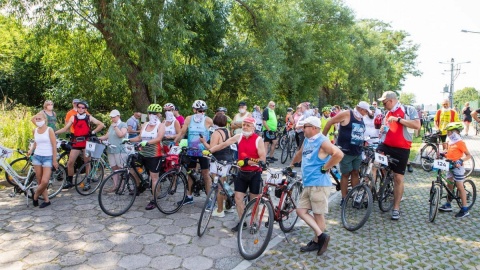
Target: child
456 151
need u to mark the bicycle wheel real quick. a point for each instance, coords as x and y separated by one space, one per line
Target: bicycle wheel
208 208
385 195
55 183
117 193
433 202
21 167
288 209
427 156
471 191
469 166
282 142
86 184
285 152
357 207
254 236
170 189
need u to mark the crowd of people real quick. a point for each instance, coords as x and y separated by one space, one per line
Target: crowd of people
325 137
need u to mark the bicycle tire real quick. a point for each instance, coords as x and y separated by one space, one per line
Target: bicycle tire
357 207
281 143
21 166
116 198
207 211
63 160
293 148
285 153
254 228
55 183
288 216
170 189
433 202
471 192
428 153
385 198
469 166
93 178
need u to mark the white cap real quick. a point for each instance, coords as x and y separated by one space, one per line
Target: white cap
312 120
114 113
364 105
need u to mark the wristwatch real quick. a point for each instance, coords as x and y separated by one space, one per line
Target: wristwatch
398 120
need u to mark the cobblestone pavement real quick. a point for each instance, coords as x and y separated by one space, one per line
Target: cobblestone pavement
74 233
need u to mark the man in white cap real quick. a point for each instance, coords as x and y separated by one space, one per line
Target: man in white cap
397 141
350 139
318 155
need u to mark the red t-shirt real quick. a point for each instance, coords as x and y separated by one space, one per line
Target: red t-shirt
247 148
395 136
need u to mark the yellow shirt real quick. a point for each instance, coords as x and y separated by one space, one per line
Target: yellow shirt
445 118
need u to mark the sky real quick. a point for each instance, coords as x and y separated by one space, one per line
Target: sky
436 26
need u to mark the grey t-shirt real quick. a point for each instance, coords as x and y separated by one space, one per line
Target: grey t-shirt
133 122
113 139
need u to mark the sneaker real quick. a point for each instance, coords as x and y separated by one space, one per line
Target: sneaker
237 227
342 201
186 201
273 159
218 214
445 208
67 185
323 240
86 187
311 246
35 203
395 214
151 205
45 204
297 164
409 168
231 210
462 214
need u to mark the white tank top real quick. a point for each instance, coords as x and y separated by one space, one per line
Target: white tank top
149 135
44 145
239 118
170 130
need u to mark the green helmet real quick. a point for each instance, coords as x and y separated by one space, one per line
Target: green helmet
154 108
326 109
454 126
183 143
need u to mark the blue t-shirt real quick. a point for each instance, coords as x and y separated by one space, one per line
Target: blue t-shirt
311 163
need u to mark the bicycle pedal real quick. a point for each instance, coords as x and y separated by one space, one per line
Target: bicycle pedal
11 195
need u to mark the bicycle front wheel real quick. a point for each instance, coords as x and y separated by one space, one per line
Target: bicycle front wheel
433 202
288 209
21 166
385 195
427 156
254 235
357 207
285 152
469 166
88 183
471 192
117 193
55 183
207 211
170 192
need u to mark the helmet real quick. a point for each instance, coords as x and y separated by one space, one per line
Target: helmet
84 103
222 109
169 106
289 109
155 108
326 109
454 126
199 104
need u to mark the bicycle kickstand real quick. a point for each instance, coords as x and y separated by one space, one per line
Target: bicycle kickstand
286 238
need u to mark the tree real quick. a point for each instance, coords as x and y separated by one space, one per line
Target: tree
467 94
407 98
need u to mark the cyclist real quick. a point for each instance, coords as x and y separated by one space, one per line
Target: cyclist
151 152
397 141
49 114
269 130
197 125
178 116
289 121
315 152
238 118
172 126
220 135
117 131
133 125
250 150
257 114
444 116
324 119
81 124
45 157
467 117
474 115
458 153
224 111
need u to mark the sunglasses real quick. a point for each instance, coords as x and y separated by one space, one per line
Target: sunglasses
167 110
385 102
200 111
78 107
305 126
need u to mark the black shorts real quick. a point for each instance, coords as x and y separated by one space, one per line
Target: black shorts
398 153
443 138
78 148
204 162
152 164
299 138
248 180
272 138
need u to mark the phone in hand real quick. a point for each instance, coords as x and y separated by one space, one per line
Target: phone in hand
201 136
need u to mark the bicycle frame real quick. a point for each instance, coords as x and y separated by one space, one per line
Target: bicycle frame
441 179
19 180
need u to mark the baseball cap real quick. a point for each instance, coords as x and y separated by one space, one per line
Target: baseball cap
114 113
388 95
242 103
364 105
249 120
312 120
76 100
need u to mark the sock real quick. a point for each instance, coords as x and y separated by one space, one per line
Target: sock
464 209
190 196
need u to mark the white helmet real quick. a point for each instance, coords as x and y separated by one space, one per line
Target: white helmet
199 105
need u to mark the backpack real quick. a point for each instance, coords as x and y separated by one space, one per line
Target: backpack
378 121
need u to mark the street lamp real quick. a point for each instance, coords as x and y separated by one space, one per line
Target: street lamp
467 31
453 77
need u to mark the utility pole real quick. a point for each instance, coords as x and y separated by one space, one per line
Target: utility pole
454 72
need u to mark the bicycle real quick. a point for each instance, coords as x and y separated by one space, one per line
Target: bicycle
476 125
288 151
259 213
386 174
430 152
216 189
28 184
436 190
427 125
119 190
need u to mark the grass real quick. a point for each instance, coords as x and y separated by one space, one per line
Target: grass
416 144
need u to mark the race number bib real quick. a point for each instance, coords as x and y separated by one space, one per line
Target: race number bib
175 150
90 146
5 152
274 177
440 164
233 147
381 159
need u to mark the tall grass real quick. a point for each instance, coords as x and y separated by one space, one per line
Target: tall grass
15 127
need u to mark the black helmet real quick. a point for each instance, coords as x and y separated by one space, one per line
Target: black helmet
84 103
222 109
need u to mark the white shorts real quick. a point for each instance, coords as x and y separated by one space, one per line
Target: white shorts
118 160
221 171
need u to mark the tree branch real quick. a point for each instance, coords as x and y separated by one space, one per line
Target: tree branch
249 10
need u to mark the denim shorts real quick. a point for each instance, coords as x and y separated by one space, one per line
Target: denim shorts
42 161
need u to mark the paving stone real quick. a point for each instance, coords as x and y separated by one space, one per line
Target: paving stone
178 239
108 260
158 249
71 258
41 256
149 238
134 261
10 256
128 248
166 262
197 263
186 251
